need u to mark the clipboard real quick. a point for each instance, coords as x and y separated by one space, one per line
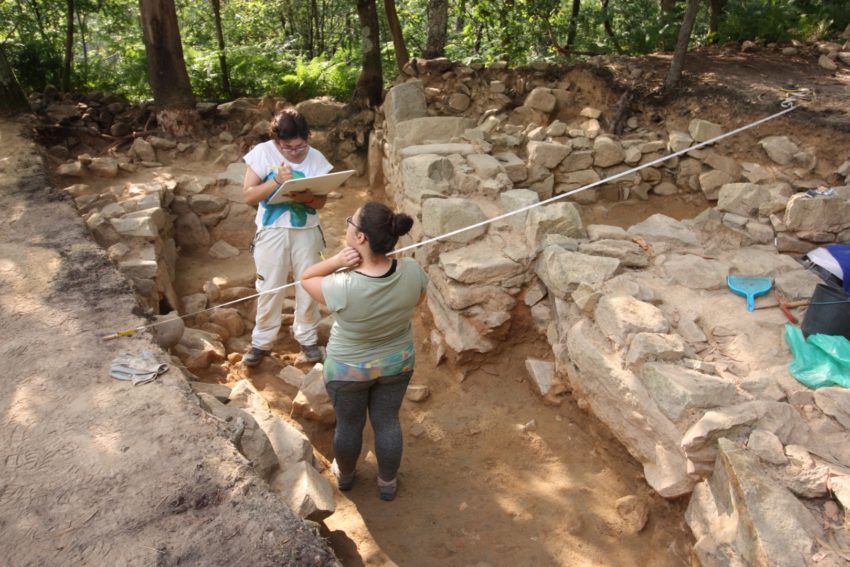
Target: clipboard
318 185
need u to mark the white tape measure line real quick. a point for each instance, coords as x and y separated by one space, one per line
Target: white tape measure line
493 219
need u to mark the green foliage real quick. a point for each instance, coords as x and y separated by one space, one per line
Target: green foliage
766 20
823 18
658 31
36 64
335 77
124 73
299 49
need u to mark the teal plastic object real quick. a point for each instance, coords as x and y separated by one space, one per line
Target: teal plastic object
749 287
820 360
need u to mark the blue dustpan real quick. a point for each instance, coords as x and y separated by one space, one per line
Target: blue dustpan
749 287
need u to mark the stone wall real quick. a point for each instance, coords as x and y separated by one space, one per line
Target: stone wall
643 331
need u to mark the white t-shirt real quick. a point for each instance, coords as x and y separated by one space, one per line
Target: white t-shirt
263 158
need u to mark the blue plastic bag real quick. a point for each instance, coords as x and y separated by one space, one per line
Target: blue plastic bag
820 360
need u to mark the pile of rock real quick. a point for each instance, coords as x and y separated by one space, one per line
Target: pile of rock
642 327
830 55
279 452
83 127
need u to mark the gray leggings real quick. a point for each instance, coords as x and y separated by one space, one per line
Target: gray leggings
382 398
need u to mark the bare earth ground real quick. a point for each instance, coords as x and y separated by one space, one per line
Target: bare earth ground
96 472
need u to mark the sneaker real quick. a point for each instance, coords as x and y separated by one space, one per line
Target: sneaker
312 353
386 489
254 357
343 482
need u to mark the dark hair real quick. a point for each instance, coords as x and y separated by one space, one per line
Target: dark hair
289 124
382 226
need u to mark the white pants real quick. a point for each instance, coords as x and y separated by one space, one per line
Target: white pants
276 252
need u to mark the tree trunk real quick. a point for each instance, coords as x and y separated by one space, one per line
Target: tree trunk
678 63
69 45
12 99
317 30
609 29
715 9
459 22
401 56
222 57
81 24
571 32
167 74
311 40
506 14
370 85
438 21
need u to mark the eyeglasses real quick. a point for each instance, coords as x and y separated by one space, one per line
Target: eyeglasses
292 149
350 220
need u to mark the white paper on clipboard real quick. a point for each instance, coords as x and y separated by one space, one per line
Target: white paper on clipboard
318 185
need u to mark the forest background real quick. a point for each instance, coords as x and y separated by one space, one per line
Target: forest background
299 49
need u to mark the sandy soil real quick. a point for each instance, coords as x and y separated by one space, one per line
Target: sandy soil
96 472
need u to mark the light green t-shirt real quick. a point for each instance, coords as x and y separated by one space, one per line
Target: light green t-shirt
372 315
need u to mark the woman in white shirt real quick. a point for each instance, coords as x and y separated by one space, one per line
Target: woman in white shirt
288 234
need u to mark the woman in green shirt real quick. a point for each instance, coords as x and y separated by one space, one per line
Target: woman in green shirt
370 353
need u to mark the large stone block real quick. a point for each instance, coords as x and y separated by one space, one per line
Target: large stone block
780 149
742 198
485 165
252 442
676 389
320 112
736 423
305 491
662 228
426 174
442 216
607 152
237 227
404 102
710 183
620 316
547 154
428 130
703 130
563 271
628 253
821 214
460 332
542 99
619 399
554 218
741 516
512 165
481 262
696 272
518 199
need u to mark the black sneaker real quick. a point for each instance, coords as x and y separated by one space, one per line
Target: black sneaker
254 357
312 353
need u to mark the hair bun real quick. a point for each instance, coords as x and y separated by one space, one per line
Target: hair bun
401 224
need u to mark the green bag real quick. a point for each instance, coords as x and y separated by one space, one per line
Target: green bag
820 360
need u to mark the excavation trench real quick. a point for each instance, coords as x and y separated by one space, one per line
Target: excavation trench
490 474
